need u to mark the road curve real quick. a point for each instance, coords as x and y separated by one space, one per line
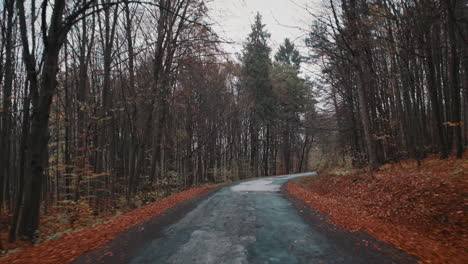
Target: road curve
248 222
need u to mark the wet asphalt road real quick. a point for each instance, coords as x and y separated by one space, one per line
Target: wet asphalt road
249 222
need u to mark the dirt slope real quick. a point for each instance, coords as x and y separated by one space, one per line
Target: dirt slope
67 248
421 210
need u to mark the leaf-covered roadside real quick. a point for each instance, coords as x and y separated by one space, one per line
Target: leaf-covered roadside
67 248
421 210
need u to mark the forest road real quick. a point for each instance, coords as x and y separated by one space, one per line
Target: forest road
249 222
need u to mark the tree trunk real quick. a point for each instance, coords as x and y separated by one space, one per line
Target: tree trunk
38 138
453 77
5 118
432 87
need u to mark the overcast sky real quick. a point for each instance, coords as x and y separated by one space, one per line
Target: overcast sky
283 18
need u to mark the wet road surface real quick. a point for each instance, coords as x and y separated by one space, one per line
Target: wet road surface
248 222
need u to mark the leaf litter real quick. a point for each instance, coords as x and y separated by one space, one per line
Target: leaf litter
65 249
421 210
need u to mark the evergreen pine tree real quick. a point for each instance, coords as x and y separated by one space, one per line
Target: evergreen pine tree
255 84
287 53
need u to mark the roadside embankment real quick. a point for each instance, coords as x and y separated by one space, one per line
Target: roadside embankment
419 209
67 248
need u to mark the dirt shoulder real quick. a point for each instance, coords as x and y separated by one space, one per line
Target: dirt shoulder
69 247
421 210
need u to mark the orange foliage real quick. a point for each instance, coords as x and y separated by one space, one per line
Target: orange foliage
420 210
69 247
